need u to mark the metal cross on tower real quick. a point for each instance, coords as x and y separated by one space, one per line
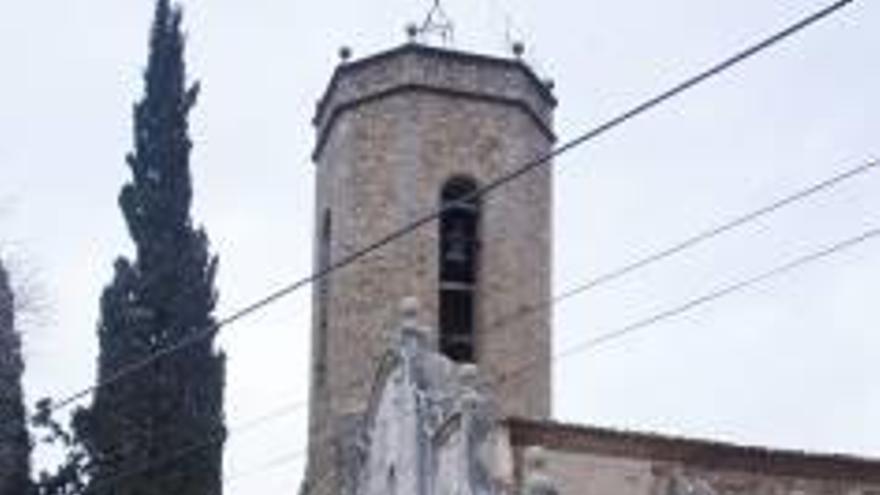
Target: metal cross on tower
437 23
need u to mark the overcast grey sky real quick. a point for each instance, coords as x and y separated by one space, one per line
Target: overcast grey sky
791 364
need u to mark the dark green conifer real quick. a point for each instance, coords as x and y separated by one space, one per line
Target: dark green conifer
14 440
164 296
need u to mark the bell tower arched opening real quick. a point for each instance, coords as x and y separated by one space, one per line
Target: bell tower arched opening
459 264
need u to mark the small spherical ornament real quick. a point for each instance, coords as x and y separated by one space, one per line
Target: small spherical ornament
345 53
518 49
412 31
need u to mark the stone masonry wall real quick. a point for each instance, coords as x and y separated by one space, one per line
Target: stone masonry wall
592 474
584 460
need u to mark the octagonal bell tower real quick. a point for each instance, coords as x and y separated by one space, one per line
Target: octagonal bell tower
399 134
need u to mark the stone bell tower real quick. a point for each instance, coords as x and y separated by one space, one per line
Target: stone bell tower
399 134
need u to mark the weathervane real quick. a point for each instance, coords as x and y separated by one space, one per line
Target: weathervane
436 23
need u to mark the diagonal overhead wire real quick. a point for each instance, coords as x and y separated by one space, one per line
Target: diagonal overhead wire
583 346
642 324
694 240
274 463
193 448
543 160
808 192
723 292
798 196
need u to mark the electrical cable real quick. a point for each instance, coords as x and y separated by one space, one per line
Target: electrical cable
497 183
607 337
715 295
641 263
212 440
693 241
725 291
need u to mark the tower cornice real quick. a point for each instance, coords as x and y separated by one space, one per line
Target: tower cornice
412 67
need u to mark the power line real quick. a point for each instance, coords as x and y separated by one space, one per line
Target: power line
274 463
289 458
607 337
315 486
545 159
695 240
193 448
691 242
541 306
690 305
212 440
720 293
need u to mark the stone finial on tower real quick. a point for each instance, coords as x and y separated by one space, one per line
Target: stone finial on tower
412 32
518 48
344 54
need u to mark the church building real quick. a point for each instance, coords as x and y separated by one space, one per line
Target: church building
431 358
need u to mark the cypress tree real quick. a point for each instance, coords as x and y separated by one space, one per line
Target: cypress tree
14 440
164 296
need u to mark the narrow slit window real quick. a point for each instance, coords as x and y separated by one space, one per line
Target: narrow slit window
323 297
459 250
